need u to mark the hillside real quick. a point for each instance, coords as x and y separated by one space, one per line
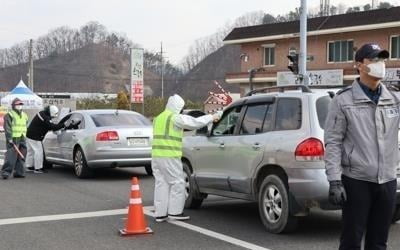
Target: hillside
196 84
98 68
94 68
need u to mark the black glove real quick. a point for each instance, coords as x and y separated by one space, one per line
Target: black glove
337 194
10 143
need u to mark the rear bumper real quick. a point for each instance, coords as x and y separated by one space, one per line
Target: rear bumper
126 157
310 188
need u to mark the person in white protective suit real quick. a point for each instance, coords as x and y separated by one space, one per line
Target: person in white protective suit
169 192
38 128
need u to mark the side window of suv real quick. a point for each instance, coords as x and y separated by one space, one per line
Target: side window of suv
228 123
288 114
253 119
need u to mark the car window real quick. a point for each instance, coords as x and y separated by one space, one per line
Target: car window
288 114
228 122
253 119
322 109
269 118
118 119
76 121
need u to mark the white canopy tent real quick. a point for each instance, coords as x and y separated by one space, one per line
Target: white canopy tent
31 100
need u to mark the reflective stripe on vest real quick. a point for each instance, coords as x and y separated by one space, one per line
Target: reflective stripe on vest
167 140
19 124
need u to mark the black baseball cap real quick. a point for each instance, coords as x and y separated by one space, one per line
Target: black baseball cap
370 51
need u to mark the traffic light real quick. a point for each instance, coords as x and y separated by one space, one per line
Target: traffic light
294 63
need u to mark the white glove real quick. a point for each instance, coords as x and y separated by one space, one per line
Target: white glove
217 115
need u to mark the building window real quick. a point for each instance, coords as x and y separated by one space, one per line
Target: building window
340 51
269 55
395 45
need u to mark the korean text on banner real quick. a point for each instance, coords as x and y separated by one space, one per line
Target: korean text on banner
137 93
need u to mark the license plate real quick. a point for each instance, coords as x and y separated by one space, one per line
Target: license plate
137 141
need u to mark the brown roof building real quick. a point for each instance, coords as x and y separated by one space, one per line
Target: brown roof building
331 45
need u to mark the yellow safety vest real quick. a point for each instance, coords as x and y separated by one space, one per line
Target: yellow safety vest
19 124
167 139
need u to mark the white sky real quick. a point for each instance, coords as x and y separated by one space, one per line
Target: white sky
148 22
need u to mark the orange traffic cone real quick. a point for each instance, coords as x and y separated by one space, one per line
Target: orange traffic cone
136 223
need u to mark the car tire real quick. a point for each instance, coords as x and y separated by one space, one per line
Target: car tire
274 207
193 198
81 168
149 170
396 215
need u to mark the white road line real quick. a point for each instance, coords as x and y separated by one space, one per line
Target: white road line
148 211
62 216
3 151
1 161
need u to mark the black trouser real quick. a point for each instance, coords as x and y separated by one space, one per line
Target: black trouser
369 209
12 160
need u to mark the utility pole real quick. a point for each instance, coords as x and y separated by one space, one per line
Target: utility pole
30 79
303 44
162 72
373 4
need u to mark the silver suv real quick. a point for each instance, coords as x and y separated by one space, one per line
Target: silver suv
268 147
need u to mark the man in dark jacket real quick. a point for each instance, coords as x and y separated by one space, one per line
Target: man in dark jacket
15 123
37 130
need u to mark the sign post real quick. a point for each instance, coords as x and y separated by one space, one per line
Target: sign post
137 88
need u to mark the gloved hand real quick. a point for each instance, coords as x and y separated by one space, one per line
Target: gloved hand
337 193
217 116
10 143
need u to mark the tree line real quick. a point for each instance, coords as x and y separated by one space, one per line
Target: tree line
64 39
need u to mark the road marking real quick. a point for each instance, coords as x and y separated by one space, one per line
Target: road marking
3 151
1 161
62 216
148 211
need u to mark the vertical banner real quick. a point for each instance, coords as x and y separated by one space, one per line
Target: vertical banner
137 91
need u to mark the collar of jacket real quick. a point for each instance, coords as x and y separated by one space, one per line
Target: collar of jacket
360 97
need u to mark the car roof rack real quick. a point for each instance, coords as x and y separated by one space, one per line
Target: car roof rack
303 88
327 86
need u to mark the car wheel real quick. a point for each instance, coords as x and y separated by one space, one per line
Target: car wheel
193 198
274 207
80 165
396 215
149 170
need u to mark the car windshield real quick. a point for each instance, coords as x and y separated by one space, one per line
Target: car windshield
322 109
115 119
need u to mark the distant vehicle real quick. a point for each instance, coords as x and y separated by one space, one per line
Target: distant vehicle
268 147
100 139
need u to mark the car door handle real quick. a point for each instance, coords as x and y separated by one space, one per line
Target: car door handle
256 146
222 145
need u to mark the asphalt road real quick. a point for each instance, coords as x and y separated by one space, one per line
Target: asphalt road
59 192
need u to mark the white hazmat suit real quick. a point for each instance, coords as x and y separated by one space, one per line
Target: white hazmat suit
169 192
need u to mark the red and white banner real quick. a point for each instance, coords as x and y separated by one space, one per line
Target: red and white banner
137 93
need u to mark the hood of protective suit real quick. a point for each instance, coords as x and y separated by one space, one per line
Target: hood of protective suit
175 104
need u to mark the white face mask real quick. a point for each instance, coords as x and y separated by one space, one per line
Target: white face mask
377 69
18 107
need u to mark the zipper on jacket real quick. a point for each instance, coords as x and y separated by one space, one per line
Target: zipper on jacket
383 122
